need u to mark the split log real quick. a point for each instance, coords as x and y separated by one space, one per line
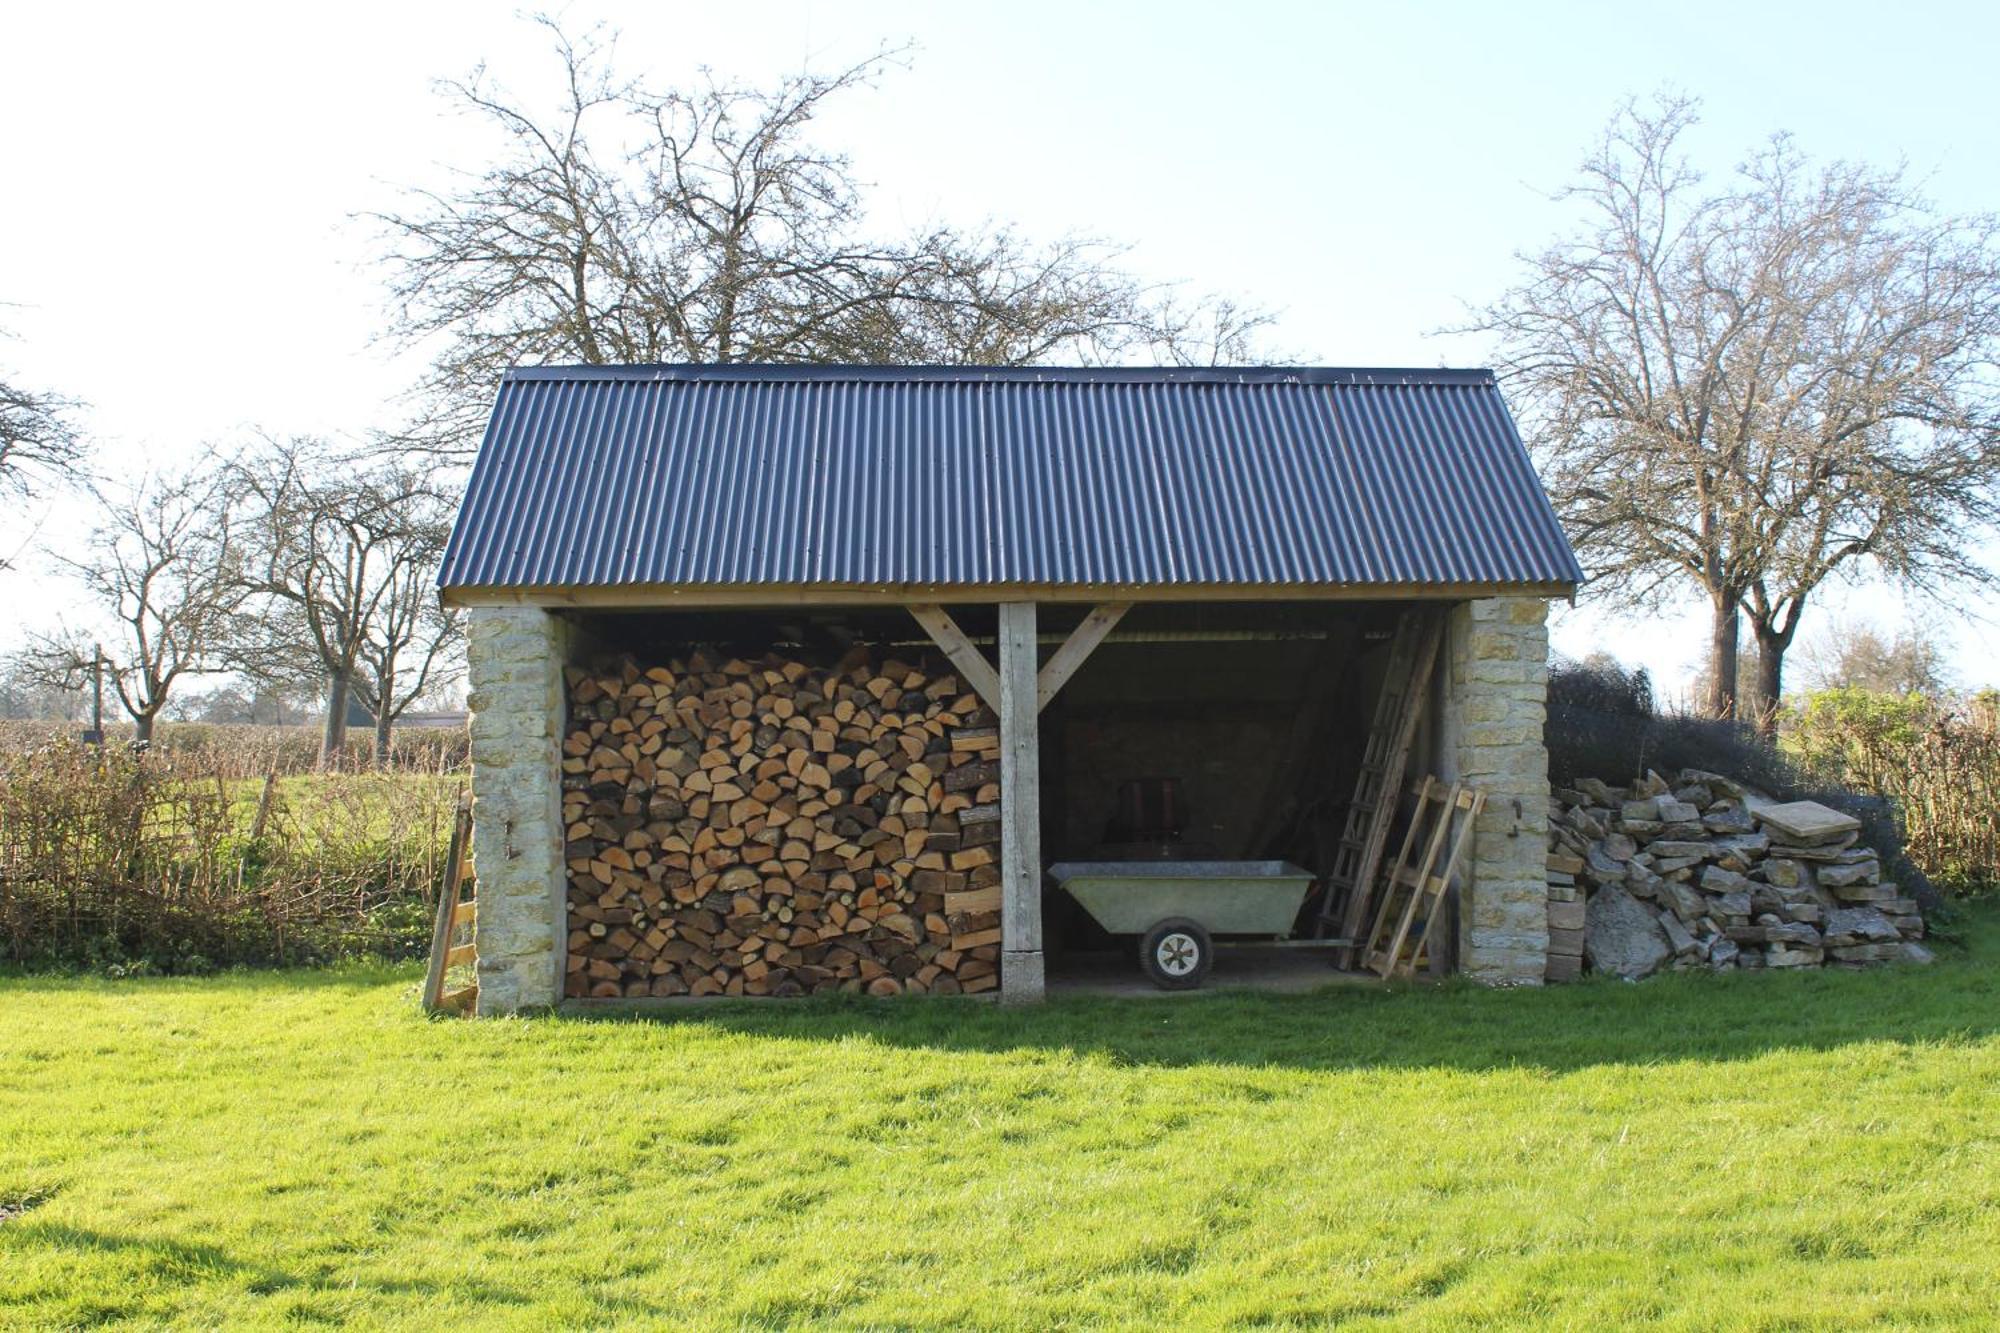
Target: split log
779 827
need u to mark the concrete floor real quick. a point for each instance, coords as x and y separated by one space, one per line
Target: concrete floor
1245 967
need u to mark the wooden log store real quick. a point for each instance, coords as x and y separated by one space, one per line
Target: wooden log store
797 679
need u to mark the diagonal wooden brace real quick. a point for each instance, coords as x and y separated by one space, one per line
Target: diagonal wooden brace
964 654
1080 644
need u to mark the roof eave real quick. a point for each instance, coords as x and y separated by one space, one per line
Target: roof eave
659 597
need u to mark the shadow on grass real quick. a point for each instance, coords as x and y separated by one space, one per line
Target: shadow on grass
165 1260
161 1258
1681 1017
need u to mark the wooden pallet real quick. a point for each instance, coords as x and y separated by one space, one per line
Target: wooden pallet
1405 685
1412 892
457 910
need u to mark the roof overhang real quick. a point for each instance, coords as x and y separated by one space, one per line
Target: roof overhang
656 597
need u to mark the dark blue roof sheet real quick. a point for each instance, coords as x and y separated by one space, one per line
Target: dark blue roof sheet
868 477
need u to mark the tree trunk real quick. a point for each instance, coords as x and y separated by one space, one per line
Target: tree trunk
1770 685
385 726
142 729
1772 645
335 737
1721 699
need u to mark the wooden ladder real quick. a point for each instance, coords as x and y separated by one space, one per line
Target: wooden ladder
1412 892
1405 684
456 908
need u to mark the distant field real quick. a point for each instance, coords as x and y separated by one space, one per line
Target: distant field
1818 1149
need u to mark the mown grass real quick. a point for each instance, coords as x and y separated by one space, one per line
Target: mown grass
1755 1151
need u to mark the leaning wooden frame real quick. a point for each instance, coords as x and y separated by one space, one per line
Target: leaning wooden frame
1411 893
455 910
1385 756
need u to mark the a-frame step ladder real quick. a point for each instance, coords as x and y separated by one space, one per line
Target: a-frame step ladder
1405 685
457 911
1413 890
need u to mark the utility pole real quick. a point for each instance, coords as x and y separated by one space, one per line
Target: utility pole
95 735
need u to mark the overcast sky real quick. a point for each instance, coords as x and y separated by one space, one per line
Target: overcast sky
179 245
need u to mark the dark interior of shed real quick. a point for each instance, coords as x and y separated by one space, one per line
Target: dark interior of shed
1196 731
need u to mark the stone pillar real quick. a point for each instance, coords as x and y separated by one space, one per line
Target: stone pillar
1495 696
515 656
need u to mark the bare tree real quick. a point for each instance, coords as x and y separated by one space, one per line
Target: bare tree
410 648
1862 657
341 555
994 299
163 567
633 224
1759 387
29 693
39 443
230 705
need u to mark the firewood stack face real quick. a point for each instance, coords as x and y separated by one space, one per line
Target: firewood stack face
773 827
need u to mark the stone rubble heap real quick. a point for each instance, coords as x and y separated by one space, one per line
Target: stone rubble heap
1698 874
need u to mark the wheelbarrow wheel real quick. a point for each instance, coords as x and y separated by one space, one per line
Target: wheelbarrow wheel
1176 954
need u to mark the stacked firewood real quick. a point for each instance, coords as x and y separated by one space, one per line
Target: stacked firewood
773 827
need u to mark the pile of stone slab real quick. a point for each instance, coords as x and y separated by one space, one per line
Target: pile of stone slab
1701 873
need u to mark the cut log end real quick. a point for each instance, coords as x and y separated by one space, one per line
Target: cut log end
778 827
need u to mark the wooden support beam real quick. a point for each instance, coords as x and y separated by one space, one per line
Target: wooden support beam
1021 976
1081 643
964 654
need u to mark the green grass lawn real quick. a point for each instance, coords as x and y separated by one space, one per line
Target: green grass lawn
1758 1151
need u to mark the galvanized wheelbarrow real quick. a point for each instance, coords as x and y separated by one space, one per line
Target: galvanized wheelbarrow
1177 908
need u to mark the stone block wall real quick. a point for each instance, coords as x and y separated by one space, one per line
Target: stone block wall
515 656
1495 685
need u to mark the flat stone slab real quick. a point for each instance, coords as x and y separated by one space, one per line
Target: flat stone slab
1623 936
1806 822
1825 852
1714 879
1730 819
1735 903
1859 925
1840 876
1600 792
1688 905
1678 938
1784 873
1864 893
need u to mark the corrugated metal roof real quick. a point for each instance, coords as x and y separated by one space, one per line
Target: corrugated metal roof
720 476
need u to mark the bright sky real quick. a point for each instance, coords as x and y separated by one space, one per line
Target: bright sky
179 246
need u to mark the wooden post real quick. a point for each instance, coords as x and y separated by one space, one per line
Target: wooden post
1021 977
